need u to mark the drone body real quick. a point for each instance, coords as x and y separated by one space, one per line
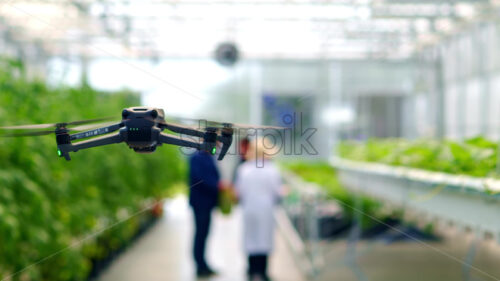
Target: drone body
141 128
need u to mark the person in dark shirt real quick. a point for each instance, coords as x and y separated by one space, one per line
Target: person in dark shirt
204 181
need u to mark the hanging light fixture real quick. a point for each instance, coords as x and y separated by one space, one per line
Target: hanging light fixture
227 54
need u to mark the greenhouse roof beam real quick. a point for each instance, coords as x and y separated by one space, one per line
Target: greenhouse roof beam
399 26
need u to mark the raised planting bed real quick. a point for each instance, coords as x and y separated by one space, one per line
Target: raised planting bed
470 203
317 183
319 214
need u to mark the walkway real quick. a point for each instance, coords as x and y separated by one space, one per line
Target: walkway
164 252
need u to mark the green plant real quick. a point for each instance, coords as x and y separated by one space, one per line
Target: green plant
47 203
474 157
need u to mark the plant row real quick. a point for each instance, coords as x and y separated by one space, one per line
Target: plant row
475 157
48 204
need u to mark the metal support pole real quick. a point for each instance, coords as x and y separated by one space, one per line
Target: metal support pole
313 235
462 87
469 258
440 92
256 93
483 44
353 238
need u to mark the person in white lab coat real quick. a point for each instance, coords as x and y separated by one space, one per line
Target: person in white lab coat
258 187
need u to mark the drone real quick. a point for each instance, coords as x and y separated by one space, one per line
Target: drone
141 128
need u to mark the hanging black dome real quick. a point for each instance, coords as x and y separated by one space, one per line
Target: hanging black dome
227 54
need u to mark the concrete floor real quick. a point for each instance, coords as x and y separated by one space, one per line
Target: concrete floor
410 261
164 252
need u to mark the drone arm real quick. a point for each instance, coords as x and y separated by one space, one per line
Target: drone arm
64 149
96 132
183 130
175 140
209 137
100 141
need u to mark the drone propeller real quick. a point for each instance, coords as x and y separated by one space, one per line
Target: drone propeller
58 127
224 125
55 125
28 134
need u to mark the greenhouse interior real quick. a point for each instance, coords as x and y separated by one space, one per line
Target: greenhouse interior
230 140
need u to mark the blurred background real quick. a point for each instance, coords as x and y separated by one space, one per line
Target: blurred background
396 98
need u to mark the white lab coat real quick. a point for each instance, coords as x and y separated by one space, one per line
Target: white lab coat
259 191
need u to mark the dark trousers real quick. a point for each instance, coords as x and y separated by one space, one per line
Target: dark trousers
202 219
257 265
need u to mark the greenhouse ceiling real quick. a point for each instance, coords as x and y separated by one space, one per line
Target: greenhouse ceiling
262 29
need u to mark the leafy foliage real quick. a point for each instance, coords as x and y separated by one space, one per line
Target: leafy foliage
47 203
474 157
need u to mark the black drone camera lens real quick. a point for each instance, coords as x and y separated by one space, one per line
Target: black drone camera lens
154 113
125 113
